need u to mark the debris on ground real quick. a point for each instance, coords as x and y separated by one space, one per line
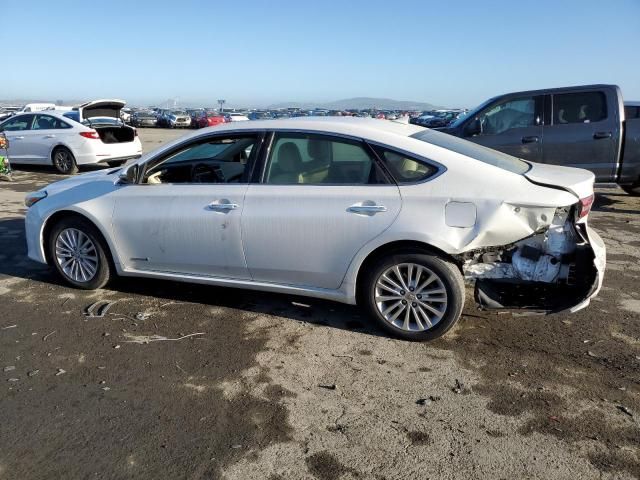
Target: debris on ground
155 338
8 327
13 379
624 410
60 371
44 339
9 368
591 354
426 401
142 316
33 373
98 309
328 386
459 387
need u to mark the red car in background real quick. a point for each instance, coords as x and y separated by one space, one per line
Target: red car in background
207 119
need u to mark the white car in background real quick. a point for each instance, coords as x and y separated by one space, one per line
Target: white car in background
91 134
389 215
237 117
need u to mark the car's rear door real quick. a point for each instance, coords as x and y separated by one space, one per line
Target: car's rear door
46 132
584 131
319 200
184 218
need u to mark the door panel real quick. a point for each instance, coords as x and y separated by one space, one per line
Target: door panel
584 133
16 130
174 228
308 234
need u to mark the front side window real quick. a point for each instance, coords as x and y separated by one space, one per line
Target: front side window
47 122
403 168
317 159
21 122
215 160
514 113
581 107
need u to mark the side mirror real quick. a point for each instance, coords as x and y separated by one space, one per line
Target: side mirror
129 175
473 128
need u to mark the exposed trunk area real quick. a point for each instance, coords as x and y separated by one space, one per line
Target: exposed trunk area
116 134
550 271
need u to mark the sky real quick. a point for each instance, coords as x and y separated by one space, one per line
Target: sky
256 53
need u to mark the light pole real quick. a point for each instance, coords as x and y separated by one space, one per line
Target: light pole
221 102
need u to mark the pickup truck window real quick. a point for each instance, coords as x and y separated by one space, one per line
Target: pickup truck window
474 151
513 113
580 107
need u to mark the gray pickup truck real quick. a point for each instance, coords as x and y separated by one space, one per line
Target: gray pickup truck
587 127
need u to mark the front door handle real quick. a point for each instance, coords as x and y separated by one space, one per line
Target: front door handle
16 138
368 209
49 136
222 207
601 135
531 139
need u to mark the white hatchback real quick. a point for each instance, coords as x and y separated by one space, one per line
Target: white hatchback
392 216
67 140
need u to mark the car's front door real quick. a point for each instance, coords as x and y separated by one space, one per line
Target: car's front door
319 201
584 132
512 126
16 130
184 216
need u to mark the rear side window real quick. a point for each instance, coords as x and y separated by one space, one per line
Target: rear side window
312 159
403 168
580 107
47 122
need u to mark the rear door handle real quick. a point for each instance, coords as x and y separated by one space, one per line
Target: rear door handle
601 135
532 139
16 138
222 207
49 136
368 209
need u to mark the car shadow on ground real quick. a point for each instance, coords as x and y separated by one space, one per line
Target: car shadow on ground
612 202
15 263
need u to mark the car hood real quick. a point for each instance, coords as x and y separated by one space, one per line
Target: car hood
574 180
85 178
100 108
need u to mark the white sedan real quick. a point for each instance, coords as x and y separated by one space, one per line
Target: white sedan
91 134
394 217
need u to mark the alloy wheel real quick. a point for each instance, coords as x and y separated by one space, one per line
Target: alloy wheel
63 160
76 255
410 297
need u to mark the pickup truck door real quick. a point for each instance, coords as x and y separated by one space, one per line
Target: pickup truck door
584 130
512 125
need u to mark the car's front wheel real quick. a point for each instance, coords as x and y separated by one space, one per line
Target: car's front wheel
79 253
64 161
414 296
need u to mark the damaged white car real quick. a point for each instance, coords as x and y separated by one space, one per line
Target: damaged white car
393 217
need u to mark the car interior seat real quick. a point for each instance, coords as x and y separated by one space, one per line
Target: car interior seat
289 165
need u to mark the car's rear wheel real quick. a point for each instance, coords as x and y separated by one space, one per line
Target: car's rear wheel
79 253
414 296
64 161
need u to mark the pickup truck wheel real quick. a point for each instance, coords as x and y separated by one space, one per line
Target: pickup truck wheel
64 161
414 296
632 189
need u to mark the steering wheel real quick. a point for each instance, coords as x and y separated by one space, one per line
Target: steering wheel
203 173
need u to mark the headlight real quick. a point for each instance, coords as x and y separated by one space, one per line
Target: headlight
34 197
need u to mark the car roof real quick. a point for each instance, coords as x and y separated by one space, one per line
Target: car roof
355 126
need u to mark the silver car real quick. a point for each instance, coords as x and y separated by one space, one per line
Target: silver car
391 216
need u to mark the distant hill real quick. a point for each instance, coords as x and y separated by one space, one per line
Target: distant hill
360 103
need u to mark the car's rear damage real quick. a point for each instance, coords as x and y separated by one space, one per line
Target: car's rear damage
558 267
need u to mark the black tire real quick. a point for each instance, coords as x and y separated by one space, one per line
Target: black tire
103 270
116 163
632 189
447 273
64 161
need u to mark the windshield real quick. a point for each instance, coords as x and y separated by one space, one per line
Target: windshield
473 150
178 112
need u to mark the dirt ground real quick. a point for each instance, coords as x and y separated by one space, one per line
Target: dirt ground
278 387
